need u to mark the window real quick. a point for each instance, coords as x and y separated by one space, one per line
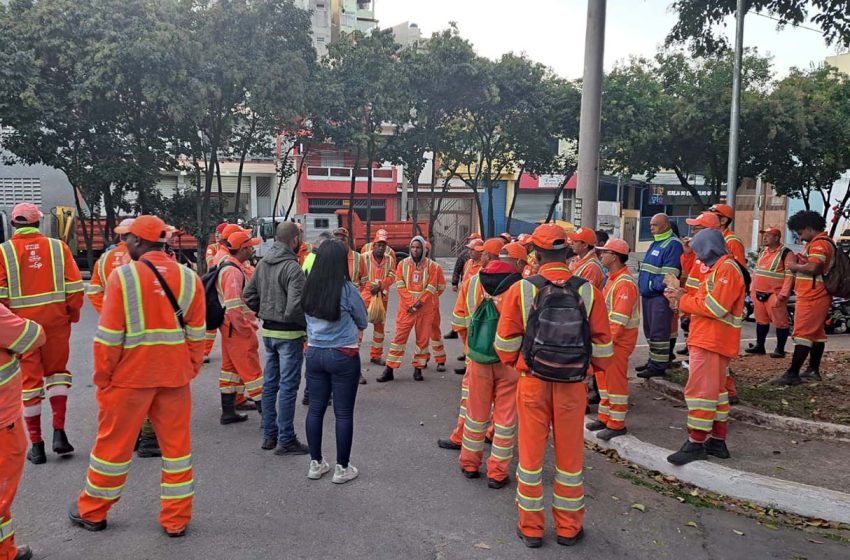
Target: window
14 190
321 223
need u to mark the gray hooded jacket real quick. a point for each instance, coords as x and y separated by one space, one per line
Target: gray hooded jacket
275 290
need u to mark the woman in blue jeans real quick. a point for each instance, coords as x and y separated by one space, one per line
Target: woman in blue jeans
335 315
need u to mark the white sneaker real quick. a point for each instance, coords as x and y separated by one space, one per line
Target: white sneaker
343 475
318 469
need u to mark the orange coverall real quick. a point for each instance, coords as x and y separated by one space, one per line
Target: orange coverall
17 336
588 268
813 300
212 252
716 311
772 276
240 348
221 254
39 280
470 269
104 266
414 284
623 302
383 275
143 363
735 246
489 388
437 346
544 404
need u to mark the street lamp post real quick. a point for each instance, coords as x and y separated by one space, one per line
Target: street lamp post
591 114
735 118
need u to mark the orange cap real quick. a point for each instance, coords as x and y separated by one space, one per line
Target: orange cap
493 246
228 230
706 220
724 210
549 237
616 246
220 227
26 213
514 250
380 235
473 235
772 230
240 239
583 234
149 228
124 226
475 245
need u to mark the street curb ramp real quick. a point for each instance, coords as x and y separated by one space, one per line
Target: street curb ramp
792 497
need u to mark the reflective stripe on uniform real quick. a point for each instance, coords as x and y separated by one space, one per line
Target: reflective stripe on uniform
529 478
568 504
112 493
27 338
62 378
527 503
6 530
108 469
565 478
177 490
109 337
178 465
9 370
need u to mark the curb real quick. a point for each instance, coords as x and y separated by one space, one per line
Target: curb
822 430
785 495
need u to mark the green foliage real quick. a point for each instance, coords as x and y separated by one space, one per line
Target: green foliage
698 20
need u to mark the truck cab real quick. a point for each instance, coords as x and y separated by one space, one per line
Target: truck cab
312 225
5 227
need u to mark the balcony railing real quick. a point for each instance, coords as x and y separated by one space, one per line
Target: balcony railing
380 175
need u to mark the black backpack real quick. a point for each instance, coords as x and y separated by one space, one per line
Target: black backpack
557 346
215 312
745 274
837 278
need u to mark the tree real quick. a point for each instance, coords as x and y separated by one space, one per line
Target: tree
672 113
698 19
438 76
362 75
87 95
808 143
239 58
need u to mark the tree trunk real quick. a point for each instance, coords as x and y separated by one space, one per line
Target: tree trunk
413 177
283 163
86 234
557 197
220 192
435 211
299 172
491 220
351 199
109 211
246 146
513 199
370 156
203 215
683 180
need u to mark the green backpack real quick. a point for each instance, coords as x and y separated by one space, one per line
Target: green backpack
482 332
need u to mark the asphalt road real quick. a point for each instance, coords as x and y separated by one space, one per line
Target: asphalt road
410 500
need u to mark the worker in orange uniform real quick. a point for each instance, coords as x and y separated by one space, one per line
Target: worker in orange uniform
354 261
585 264
305 249
813 300
369 247
470 292
214 248
17 336
40 281
378 275
692 276
240 347
221 254
437 345
416 286
492 385
148 347
622 299
717 313
109 261
687 260
542 404
771 287
473 264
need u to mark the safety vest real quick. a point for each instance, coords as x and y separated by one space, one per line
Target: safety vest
136 332
108 262
631 321
354 268
721 313
770 273
405 281
15 292
375 271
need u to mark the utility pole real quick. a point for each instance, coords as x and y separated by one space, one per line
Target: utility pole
591 114
735 118
757 209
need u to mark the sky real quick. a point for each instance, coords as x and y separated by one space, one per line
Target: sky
552 31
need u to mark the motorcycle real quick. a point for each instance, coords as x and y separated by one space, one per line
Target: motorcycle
838 319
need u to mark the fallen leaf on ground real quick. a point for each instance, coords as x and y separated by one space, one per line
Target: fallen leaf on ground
737 532
695 493
771 526
814 541
615 498
639 507
483 546
691 524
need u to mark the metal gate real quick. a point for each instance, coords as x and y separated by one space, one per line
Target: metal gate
452 226
630 224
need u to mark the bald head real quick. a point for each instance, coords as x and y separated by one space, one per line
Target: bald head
287 233
660 223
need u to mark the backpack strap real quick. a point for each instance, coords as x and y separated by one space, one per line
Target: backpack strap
178 311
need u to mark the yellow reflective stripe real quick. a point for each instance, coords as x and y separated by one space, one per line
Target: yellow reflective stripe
27 338
57 379
9 370
566 478
109 337
57 259
603 350
177 490
568 504
74 287
507 344
6 530
94 290
178 465
196 333
529 478
527 503
111 494
107 468
13 274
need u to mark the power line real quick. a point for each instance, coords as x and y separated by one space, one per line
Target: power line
818 31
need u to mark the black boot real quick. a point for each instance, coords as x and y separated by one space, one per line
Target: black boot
450 335
246 405
672 349
690 451
813 371
36 454
417 374
386 376
148 446
77 519
61 445
259 405
717 448
781 339
228 410
792 376
595 426
761 336
23 552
